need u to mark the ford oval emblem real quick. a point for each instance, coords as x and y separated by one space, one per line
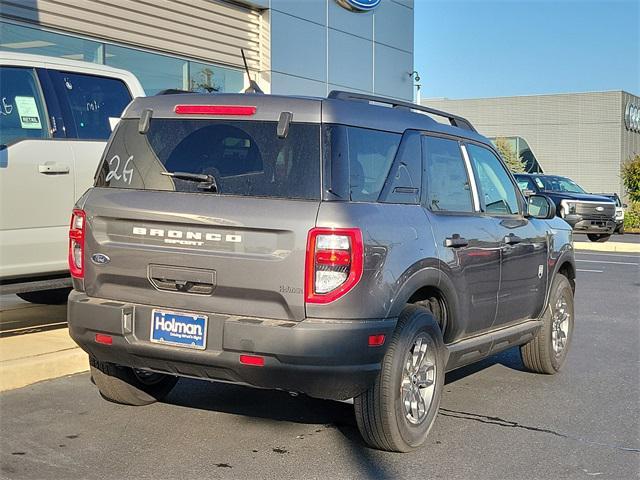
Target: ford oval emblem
599 209
359 5
100 259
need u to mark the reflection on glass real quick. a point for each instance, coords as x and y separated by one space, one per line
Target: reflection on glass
155 72
521 146
212 78
15 38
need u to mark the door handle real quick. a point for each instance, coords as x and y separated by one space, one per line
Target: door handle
455 241
52 168
512 239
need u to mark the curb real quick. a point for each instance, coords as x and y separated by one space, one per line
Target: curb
618 247
25 371
34 357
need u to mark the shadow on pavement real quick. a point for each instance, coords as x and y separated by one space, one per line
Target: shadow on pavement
509 358
271 405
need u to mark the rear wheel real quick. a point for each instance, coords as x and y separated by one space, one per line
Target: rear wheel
598 237
547 352
130 386
57 296
397 412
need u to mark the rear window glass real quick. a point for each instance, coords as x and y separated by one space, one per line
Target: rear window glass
371 154
358 161
243 157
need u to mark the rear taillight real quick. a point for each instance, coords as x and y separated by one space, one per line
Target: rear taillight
334 263
76 243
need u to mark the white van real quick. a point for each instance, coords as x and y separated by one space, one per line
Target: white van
55 118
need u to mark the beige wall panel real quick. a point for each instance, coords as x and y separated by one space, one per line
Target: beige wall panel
208 30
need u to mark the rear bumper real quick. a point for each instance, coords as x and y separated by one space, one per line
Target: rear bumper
581 224
322 358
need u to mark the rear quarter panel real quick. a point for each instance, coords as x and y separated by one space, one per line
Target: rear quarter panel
398 242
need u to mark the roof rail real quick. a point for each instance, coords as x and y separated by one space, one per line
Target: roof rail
454 120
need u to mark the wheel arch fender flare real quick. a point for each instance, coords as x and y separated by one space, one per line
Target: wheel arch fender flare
564 260
429 277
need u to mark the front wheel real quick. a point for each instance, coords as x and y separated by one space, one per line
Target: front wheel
129 386
398 410
598 237
547 352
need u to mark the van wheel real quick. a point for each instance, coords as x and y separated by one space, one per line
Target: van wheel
397 412
56 296
548 350
128 386
598 237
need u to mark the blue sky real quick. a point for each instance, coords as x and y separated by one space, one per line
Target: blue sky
475 48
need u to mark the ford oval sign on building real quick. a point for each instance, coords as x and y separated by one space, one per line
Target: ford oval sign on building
359 5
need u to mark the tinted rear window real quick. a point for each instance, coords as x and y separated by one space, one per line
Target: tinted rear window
360 160
245 157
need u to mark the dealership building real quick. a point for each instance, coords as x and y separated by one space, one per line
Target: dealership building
305 47
584 136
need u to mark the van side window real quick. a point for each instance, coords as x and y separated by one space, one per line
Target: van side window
497 193
448 188
90 101
22 112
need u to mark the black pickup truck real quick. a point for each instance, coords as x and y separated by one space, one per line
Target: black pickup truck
594 215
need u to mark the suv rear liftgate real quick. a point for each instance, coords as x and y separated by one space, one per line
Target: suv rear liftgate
216 216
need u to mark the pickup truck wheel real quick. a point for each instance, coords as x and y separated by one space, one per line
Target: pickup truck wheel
548 350
598 237
397 412
56 296
128 386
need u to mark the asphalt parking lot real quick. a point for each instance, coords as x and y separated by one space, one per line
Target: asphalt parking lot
496 420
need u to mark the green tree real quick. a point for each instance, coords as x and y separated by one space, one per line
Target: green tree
631 177
511 158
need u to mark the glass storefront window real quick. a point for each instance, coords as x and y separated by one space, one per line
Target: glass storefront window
19 39
155 72
213 78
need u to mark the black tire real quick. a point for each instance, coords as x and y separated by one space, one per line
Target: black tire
126 386
380 411
621 230
539 354
598 237
57 296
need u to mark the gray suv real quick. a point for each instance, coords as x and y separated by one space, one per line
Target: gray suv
341 247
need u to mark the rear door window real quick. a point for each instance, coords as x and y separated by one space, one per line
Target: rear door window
89 101
448 187
243 157
22 110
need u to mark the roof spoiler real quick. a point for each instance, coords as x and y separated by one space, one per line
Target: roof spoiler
454 120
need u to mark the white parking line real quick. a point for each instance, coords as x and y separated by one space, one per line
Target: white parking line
607 261
586 270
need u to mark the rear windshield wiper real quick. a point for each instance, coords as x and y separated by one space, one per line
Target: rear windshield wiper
205 181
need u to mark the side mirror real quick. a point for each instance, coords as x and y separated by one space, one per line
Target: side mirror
540 206
624 205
